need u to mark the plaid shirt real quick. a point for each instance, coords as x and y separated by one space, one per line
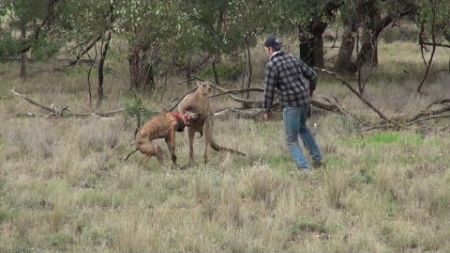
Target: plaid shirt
291 77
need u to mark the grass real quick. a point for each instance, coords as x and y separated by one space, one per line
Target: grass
64 186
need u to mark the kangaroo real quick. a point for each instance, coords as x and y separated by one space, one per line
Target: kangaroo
198 103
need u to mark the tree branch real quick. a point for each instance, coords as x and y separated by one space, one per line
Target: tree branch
65 111
433 37
435 44
365 101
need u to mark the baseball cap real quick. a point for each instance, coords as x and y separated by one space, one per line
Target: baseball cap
273 42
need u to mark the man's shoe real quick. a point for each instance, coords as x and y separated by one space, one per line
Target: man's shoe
317 164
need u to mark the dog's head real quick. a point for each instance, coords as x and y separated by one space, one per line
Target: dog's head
190 117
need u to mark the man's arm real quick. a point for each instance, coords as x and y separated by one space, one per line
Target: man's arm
270 82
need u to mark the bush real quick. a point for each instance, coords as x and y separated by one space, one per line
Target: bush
225 71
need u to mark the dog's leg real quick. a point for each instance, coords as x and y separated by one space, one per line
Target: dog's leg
170 140
150 149
160 155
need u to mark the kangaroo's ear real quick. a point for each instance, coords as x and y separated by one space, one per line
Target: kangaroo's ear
199 83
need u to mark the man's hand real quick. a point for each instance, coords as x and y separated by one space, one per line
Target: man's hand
267 116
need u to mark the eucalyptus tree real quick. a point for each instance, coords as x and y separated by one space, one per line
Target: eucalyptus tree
370 17
84 24
32 21
226 27
210 20
248 20
146 25
434 23
309 18
377 16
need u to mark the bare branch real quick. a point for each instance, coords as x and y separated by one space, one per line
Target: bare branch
234 91
365 101
433 37
435 44
439 102
85 50
65 111
171 108
31 101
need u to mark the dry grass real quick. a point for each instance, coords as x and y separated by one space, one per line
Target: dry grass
64 186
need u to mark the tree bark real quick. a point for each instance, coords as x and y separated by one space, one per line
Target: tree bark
101 63
368 55
318 30
133 66
249 65
216 76
344 64
306 46
311 42
23 55
149 81
375 24
141 69
311 49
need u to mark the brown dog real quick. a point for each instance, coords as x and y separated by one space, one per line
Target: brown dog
164 126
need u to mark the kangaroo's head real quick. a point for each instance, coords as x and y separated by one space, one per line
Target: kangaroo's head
203 87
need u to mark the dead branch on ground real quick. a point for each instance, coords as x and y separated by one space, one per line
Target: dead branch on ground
64 112
347 84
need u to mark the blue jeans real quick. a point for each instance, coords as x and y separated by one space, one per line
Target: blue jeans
294 120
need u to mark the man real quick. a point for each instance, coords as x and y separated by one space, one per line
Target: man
295 82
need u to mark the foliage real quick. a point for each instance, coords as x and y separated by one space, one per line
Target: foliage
45 47
136 109
8 44
81 21
28 17
225 71
223 26
439 10
292 15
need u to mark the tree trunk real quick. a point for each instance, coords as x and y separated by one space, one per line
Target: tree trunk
368 53
306 46
344 64
149 80
23 55
189 73
141 70
216 76
311 44
318 28
249 65
311 51
133 66
101 63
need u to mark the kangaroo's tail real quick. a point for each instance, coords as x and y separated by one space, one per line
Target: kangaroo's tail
217 147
